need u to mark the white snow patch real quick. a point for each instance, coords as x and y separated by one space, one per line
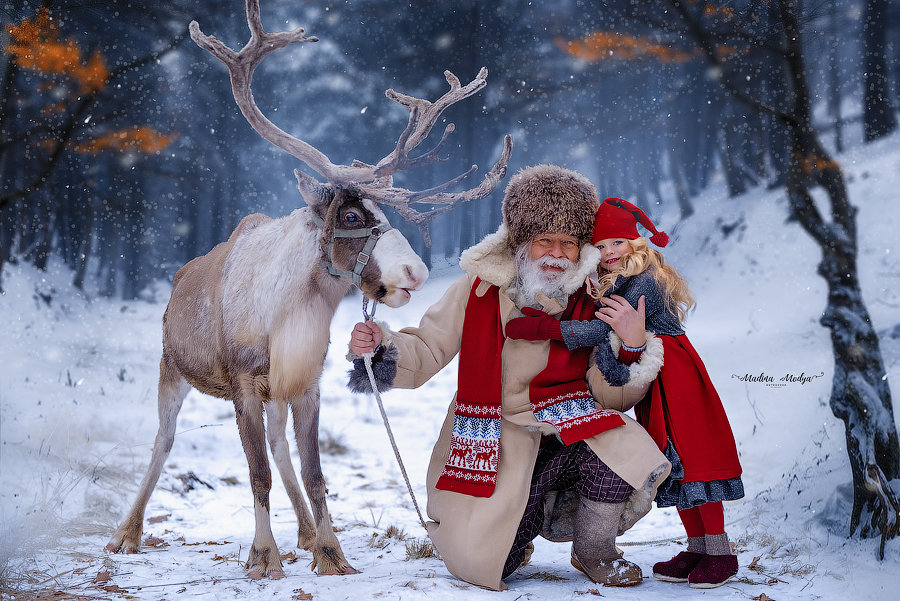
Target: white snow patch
78 419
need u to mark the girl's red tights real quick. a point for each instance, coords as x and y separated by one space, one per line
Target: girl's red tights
708 518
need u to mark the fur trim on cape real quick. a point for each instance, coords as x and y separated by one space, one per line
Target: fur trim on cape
647 368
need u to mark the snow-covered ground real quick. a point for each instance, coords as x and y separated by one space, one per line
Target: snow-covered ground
78 419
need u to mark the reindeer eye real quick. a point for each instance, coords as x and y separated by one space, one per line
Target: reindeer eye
352 217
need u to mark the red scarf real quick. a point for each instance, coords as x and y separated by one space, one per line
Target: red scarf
559 394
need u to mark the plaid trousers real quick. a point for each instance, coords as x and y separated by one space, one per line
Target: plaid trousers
560 467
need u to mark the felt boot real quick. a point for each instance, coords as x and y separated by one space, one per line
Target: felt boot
594 546
678 568
717 566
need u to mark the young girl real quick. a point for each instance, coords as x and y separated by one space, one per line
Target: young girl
682 411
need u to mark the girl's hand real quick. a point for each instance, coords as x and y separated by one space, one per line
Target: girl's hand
365 338
626 321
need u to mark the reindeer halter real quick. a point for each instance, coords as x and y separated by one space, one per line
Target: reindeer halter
362 259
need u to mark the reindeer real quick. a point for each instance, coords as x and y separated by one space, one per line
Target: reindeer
460 455
483 458
249 321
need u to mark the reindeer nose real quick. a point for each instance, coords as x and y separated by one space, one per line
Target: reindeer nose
414 281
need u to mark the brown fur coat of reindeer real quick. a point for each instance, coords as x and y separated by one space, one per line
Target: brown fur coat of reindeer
249 321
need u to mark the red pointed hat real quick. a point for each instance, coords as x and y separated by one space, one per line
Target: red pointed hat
617 218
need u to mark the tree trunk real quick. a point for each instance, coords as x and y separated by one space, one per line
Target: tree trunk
860 395
2 260
8 68
878 114
44 230
733 176
108 245
834 81
84 247
684 201
83 250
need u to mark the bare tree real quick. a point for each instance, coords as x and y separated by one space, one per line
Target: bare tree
64 108
878 114
860 394
64 131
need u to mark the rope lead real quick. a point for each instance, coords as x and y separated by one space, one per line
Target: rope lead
367 358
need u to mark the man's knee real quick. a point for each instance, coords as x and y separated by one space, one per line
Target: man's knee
597 481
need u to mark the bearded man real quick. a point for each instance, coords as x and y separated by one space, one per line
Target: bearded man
534 441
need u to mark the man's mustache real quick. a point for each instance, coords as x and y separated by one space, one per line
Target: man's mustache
558 262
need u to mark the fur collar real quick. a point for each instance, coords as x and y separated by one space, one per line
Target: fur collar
494 261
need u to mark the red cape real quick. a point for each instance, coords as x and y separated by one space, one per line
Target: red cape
683 403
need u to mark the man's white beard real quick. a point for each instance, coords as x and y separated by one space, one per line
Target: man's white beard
532 280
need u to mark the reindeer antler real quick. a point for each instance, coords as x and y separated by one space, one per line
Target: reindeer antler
371 181
422 117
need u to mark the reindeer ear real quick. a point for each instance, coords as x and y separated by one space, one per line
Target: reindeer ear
316 194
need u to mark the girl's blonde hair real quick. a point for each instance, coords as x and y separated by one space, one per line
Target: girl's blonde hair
676 292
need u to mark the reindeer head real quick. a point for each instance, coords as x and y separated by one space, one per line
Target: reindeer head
348 200
359 244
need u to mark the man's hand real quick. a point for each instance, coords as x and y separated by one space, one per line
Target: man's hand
626 321
537 325
365 338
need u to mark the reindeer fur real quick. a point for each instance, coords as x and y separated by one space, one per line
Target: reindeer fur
249 321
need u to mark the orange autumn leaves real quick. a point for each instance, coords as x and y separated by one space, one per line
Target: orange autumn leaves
139 138
36 46
605 45
610 45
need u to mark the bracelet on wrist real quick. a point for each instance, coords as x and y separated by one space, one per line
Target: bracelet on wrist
632 349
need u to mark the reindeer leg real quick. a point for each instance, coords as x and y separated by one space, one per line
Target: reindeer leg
277 419
172 390
327 553
264 559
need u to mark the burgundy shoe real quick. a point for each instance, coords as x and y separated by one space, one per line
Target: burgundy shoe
678 568
713 571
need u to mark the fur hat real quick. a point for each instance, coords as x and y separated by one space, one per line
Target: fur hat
617 218
549 198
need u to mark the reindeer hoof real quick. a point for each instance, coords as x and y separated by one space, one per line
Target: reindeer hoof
126 549
264 561
117 545
259 575
331 562
344 570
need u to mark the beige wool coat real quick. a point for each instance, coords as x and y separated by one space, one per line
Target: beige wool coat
475 534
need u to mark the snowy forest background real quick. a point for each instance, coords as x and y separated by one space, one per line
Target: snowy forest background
122 156
129 177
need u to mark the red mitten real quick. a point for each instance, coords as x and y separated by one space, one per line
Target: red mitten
537 325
